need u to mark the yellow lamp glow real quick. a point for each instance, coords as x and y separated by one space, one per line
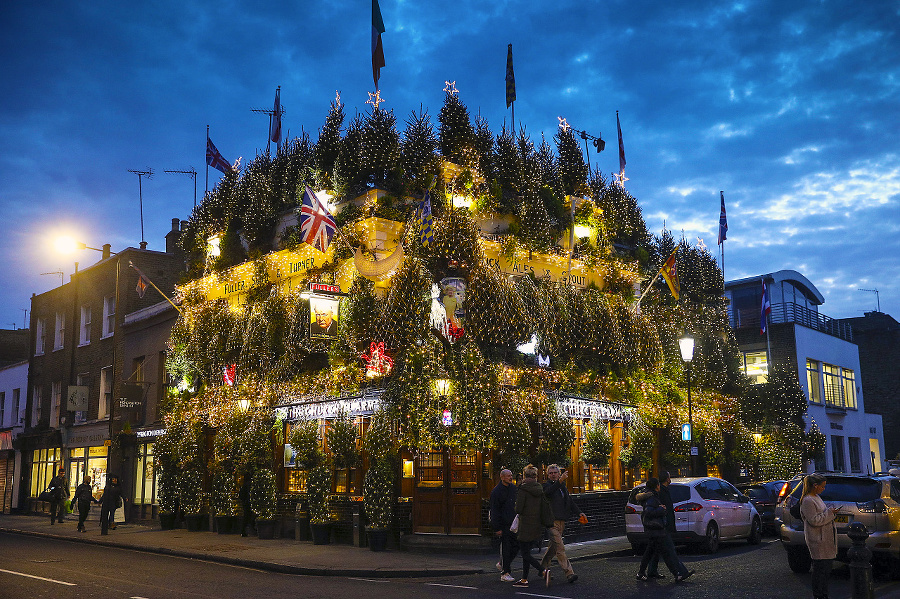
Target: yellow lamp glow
442 387
67 245
244 404
213 245
462 201
582 231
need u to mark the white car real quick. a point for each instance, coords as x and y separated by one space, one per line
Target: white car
707 510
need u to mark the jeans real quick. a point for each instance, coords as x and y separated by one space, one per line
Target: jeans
821 568
107 518
509 547
57 509
83 511
556 548
528 559
662 546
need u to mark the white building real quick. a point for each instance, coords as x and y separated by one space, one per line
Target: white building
821 351
13 386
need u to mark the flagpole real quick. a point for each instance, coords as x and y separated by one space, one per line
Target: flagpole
765 315
152 284
207 163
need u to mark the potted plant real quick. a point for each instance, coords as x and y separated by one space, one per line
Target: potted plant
223 497
318 487
378 487
190 495
262 500
598 444
164 463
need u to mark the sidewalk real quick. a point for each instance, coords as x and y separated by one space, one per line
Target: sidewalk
286 555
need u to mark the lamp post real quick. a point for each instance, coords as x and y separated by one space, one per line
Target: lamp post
686 345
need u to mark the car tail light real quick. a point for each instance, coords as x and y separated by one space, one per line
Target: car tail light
688 507
784 491
630 510
877 507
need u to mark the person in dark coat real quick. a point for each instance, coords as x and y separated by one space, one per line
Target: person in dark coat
531 528
563 509
59 490
110 501
248 518
502 513
83 497
653 517
665 479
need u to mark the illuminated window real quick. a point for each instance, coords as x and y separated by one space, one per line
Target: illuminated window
849 379
814 381
756 367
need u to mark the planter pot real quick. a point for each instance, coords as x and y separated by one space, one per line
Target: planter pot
166 520
194 522
377 538
265 529
225 525
321 532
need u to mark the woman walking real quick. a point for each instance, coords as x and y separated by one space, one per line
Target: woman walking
110 501
83 497
819 532
653 518
531 527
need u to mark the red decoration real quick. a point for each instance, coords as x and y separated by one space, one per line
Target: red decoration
454 332
229 374
378 363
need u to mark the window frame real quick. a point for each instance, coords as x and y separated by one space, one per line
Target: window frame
814 381
59 332
109 316
40 336
105 396
84 331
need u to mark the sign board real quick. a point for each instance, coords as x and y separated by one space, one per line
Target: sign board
130 404
695 451
77 398
324 288
685 432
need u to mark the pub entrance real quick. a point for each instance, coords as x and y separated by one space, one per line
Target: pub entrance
447 494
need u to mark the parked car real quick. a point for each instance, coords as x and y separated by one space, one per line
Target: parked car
872 500
764 497
707 510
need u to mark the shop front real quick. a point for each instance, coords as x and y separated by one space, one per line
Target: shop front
88 455
145 505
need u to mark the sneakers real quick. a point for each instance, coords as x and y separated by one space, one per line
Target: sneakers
683 577
546 577
641 577
507 578
656 576
571 578
521 583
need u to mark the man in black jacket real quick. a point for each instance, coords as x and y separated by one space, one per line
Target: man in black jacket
110 501
83 497
59 489
502 513
563 509
665 498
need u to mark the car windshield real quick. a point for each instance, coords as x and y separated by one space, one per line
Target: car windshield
851 490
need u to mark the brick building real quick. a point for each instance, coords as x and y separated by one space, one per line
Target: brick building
77 365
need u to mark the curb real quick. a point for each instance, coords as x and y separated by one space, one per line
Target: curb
255 564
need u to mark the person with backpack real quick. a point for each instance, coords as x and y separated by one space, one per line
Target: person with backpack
653 517
535 514
819 532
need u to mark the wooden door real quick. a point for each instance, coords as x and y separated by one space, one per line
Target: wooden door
464 497
430 499
447 496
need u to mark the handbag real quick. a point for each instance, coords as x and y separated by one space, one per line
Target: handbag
46 495
514 527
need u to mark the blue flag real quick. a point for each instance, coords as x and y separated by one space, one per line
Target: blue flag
723 222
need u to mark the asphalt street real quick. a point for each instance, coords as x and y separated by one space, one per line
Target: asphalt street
32 567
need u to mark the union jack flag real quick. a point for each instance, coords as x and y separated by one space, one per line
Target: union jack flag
317 226
215 159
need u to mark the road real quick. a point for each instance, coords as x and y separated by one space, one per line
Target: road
33 567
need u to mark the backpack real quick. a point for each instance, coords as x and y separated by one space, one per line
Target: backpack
795 511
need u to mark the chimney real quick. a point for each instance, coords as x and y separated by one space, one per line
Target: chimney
172 237
143 245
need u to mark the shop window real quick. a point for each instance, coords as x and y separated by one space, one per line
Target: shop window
44 464
814 381
145 476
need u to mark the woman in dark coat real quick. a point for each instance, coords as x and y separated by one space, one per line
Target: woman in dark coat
109 503
653 517
531 529
83 497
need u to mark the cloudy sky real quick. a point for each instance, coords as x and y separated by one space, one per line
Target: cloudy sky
789 107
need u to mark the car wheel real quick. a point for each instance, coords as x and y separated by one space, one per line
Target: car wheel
755 532
799 559
711 543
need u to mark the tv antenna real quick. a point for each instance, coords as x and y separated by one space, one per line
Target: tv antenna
877 297
193 175
272 112
149 174
55 272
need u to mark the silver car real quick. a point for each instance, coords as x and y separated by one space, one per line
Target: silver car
707 510
872 500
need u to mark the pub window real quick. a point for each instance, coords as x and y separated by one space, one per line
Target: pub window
296 480
431 469
44 464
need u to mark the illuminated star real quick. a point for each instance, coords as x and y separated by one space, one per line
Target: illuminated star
337 97
563 124
375 99
700 244
621 178
450 87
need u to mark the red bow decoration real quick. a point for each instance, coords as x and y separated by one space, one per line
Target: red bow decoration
228 374
454 332
378 363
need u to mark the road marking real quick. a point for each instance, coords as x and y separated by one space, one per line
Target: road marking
452 586
363 579
68 584
536 595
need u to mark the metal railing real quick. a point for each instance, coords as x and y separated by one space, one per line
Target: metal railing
792 313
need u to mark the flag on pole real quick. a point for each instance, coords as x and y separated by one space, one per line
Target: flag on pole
621 147
377 49
215 159
510 78
723 222
765 309
275 124
669 271
143 281
317 226
425 221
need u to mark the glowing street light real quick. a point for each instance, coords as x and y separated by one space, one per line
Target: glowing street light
686 345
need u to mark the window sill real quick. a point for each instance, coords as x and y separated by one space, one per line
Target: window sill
84 344
106 336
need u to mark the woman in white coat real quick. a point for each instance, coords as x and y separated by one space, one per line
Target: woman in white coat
819 532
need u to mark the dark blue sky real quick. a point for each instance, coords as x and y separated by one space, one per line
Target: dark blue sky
790 107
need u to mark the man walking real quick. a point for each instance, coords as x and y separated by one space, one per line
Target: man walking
502 513
59 488
563 508
665 498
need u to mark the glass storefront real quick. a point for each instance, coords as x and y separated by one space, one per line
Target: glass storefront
44 464
88 461
145 476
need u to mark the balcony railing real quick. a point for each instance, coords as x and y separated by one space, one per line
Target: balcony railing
792 313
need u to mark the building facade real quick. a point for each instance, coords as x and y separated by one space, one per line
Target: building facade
821 351
13 384
78 381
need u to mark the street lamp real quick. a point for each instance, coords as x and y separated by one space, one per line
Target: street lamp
686 344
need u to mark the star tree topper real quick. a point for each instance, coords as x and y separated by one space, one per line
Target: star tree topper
450 87
563 123
375 99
